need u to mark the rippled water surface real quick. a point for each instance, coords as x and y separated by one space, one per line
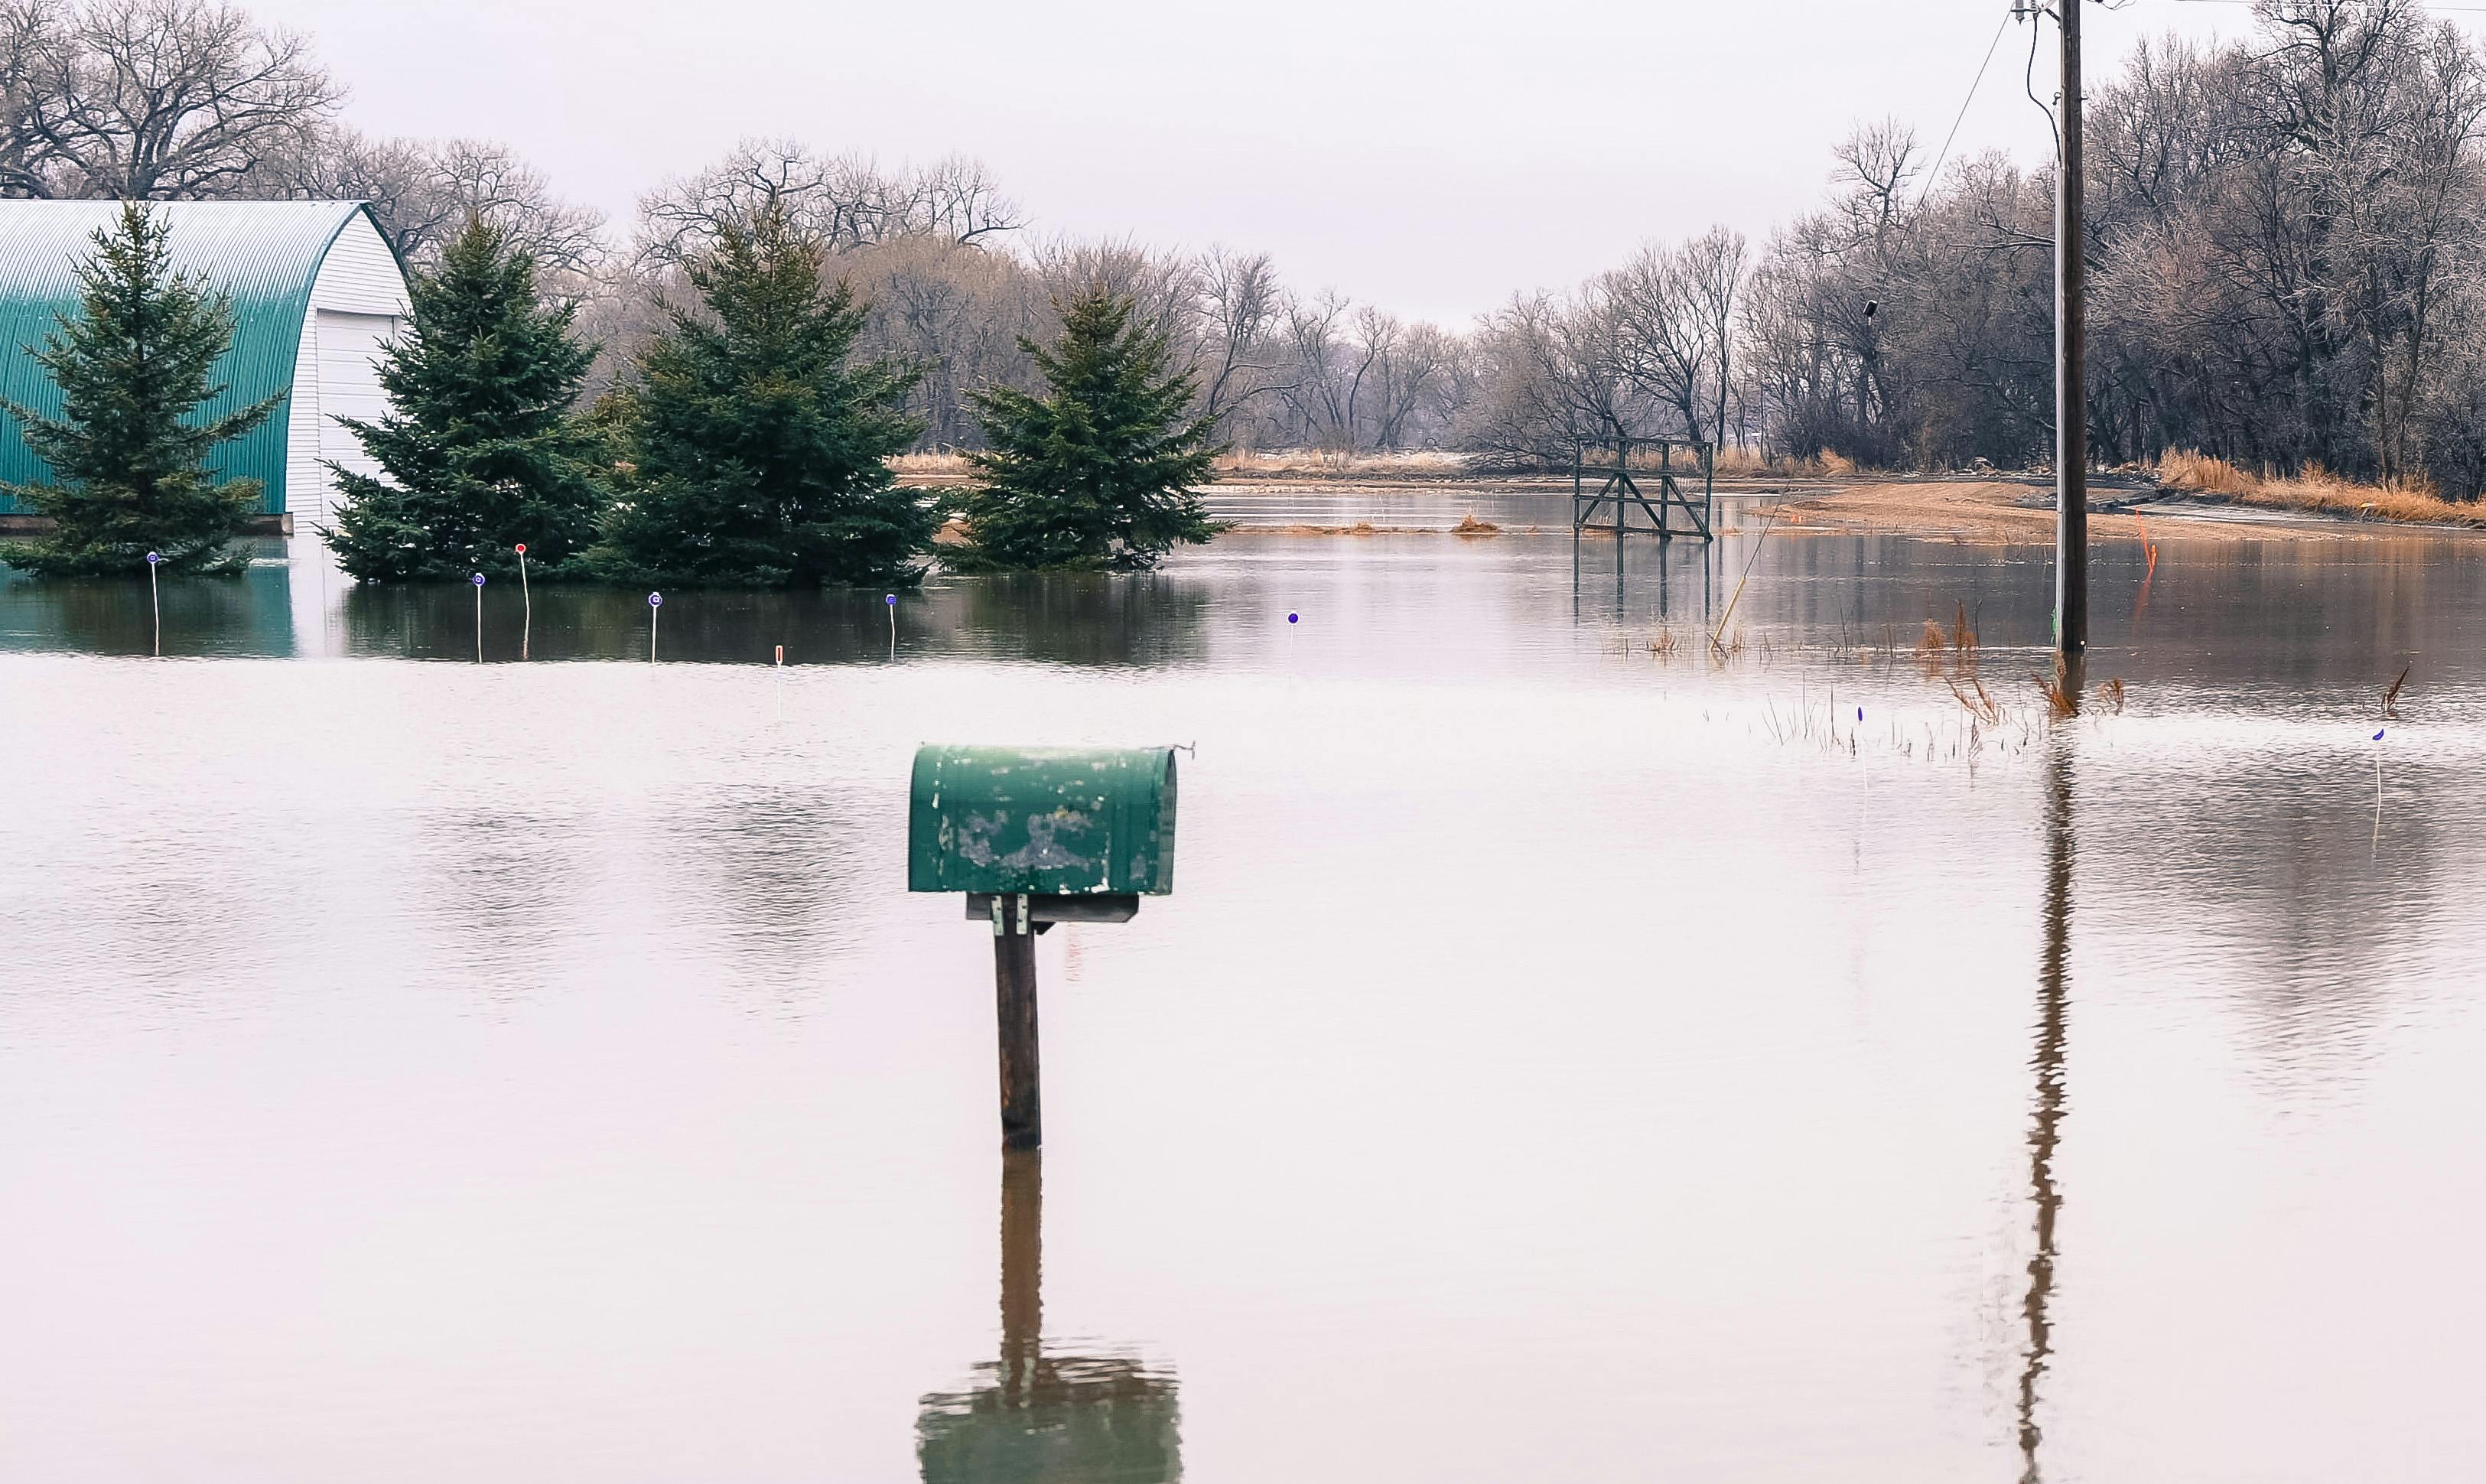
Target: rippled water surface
1568 1053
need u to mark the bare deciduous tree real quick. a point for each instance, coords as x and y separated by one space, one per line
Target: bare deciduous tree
150 99
424 192
843 202
1239 310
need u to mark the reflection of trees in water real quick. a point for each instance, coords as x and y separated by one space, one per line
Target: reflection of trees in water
2046 1118
1037 1418
1083 618
2299 617
780 868
499 889
2276 862
731 628
249 615
1881 590
1079 619
436 621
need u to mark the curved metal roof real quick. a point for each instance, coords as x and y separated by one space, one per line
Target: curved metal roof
266 254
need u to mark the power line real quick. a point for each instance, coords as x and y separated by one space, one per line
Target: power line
2473 9
1935 174
2053 125
2030 14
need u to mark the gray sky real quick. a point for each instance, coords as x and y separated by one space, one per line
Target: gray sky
1430 158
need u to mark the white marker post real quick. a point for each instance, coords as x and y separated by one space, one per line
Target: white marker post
527 603
890 599
2375 847
655 600
479 617
155 605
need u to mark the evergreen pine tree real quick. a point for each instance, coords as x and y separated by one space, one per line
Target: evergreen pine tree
758 443
129 448
478 446
1101 472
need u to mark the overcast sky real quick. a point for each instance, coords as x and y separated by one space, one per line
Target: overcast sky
1431 157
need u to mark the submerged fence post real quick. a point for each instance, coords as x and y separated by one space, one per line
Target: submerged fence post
1575 523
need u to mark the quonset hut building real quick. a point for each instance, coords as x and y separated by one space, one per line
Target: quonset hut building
315 290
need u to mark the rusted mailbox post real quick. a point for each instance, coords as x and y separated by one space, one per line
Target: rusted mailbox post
1035 836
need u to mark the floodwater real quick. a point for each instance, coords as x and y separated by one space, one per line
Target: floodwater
1560 1057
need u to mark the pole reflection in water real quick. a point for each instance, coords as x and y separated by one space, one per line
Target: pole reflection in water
1055 1418
2046 1118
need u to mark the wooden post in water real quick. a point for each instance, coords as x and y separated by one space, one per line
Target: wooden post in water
1034 836
1014 1015
1022 1270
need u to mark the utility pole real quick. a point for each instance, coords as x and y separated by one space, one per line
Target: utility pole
2071 387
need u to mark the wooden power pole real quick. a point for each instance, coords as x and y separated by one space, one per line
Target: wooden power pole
2071 387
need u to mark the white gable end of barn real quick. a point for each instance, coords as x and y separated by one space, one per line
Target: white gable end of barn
357 301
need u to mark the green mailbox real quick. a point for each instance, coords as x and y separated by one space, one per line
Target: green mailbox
1042 822
1034 836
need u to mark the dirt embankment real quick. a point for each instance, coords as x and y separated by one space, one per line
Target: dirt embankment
1989 511
2008 512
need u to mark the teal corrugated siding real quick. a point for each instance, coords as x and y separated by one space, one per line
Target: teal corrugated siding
263 253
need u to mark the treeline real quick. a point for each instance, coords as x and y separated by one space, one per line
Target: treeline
748 446
2283 241
2283 236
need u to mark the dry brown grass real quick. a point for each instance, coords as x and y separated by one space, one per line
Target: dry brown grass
1974 697
1360 528
2315 489
1469 525
1430 464
1264 462
1952 657
937 465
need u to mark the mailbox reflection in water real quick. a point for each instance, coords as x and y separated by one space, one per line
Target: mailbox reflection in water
1038 1418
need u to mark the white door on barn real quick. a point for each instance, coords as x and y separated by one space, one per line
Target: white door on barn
350 386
